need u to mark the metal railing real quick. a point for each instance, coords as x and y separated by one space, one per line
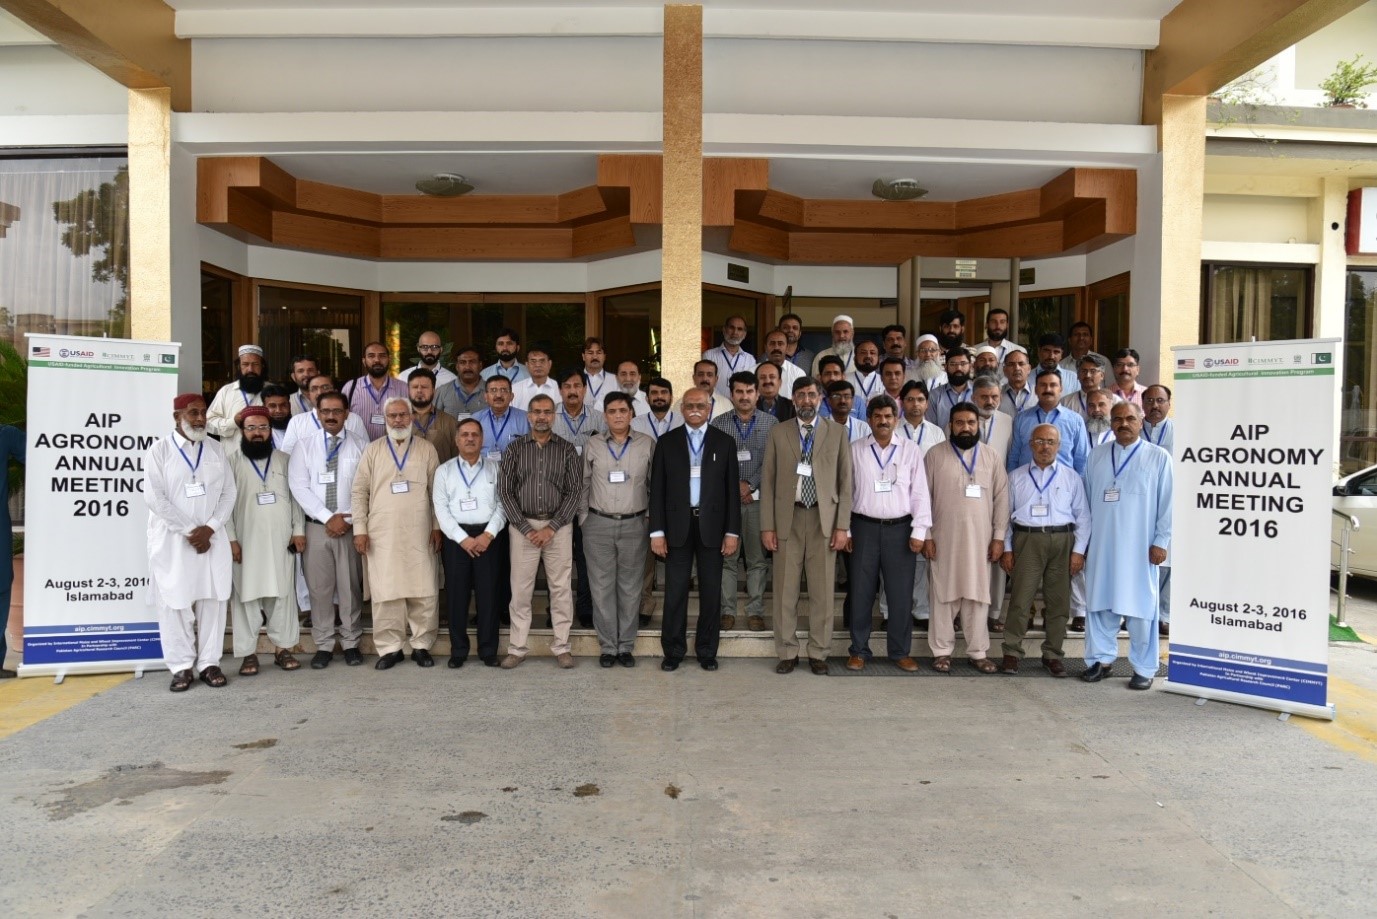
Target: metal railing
1350 524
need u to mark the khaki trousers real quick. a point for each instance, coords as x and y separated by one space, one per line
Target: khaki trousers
1040 558
805 546
942 628
558 556
392 617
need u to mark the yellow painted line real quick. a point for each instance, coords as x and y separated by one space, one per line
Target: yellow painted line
1354 728
24 703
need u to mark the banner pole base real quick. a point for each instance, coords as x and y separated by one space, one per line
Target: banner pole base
60 672
1201 693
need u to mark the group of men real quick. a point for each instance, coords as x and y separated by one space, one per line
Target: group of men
925 480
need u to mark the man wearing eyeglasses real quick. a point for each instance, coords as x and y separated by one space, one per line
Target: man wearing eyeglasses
431 351
1126 385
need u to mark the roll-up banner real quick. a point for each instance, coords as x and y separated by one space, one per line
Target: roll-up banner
95 407
1250 524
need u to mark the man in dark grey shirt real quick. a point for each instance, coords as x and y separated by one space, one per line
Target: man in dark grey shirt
540 486
750 429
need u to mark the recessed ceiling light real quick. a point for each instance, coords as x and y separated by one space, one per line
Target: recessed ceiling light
444 185
897 189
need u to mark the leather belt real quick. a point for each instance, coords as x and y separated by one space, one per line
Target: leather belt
806 507
1060 528
892 521
594 510
696 511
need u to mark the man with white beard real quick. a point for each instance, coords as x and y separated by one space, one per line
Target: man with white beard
843 345
629 382
927 367
431 350
191 495
397 533
986 360
729 356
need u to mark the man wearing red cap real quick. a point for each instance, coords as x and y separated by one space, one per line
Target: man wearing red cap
266 528
190 494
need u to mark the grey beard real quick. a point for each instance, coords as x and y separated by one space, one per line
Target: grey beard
1096 426
929 370
195 435
844 349
400 435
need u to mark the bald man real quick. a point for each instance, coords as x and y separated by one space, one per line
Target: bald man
431 351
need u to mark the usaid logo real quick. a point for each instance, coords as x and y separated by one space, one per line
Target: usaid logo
67 352
1220 362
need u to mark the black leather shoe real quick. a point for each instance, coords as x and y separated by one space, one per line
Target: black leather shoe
669 664
321 659
422 658
817 666
606 660
708 663
586 622
455 663
626 659
491 662
388 661
1096 672
645 620
786 666
353 657
1140 682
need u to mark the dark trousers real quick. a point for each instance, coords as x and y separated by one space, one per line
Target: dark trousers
881 549
583 594
6 586
466 576
678 570
501 550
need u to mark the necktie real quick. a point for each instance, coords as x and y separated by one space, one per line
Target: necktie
332 466
695 459
809 492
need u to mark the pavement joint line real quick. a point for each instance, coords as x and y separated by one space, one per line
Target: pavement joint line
26 702
1354 728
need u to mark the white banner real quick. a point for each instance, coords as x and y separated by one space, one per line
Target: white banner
95 407
1250 524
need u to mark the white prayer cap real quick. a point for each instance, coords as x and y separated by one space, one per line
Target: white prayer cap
984 349
843 318
250 349
923 338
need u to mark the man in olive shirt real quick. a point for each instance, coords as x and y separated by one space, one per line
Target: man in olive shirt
616 477
541 487
428 422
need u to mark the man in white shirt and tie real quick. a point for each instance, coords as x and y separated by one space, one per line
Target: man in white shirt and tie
308 425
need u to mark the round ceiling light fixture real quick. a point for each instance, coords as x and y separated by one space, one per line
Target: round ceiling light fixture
444 185
898 189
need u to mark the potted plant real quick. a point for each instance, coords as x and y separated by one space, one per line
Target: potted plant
1344 88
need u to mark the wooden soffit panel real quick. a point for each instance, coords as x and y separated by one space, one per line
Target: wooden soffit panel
1080 209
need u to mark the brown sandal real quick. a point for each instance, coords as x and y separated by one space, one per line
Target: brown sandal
214 676
181 681
250 665
283 658
941 664
984 665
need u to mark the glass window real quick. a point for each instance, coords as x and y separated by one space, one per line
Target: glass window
631 329
326 325
1358 425
557 325
1040 313
718 307
64 246
1266 302
217 332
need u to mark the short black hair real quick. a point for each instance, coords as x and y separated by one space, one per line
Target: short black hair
617 395
895 360
744 377
271 390
1126 352
827 359
421 373
568 372
803 382
967 407
878 402
661 382
837 386
505 332
950 316
893 327
1048 372
911 385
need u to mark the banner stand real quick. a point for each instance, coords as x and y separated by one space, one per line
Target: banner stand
94 669
1320 712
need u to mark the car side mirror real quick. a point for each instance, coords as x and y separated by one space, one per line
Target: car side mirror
1341 491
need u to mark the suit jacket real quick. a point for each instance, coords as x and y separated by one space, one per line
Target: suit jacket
719 494
831 475
784 408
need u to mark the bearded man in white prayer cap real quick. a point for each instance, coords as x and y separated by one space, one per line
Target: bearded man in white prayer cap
244 390
843 344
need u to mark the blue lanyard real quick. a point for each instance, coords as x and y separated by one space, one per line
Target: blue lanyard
468 399
600 386
736 419
874 380
1161 432
989 430
263 476
655 427
951 399
885 462
476 473
617 457
424 430
570 425
377 399
401 463
732 364
1045 485
200 448
496 434
315 420
1051 417
1018 402
975 453
921 429
1120 467
331 454
301 401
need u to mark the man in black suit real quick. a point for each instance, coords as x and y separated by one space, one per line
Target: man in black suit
695 513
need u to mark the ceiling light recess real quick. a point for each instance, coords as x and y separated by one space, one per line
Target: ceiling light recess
898 189
444 185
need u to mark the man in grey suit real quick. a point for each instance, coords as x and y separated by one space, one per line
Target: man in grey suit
805 510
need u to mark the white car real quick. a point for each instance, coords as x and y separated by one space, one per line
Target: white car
1356 495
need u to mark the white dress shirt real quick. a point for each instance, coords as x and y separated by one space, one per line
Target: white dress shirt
443 375
304 427
926 435
471 502
1061 501
657 427
308 462
727 364
527 389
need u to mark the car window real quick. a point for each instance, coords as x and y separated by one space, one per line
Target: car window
1364 485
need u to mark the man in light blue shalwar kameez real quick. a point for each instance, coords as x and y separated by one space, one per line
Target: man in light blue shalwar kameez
1128 483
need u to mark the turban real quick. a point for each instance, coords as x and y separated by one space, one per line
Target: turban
250 349
250 412
185 399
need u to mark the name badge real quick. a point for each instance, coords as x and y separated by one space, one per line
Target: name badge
616 476
578 449
495 455
468 504
463 415
267 497
376 419
883 487
743 456
326 478
401 488
1039 510
972 491
695 472
1111 496
804 469
195 489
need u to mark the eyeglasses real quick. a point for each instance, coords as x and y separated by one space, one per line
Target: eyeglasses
430 348
1156 401
256 427
1044 442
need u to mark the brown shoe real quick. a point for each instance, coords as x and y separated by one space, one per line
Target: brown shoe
786 666
756 623
565 660
907 664
511 662
1009 664
728 623
1054 666
855 662
817 666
